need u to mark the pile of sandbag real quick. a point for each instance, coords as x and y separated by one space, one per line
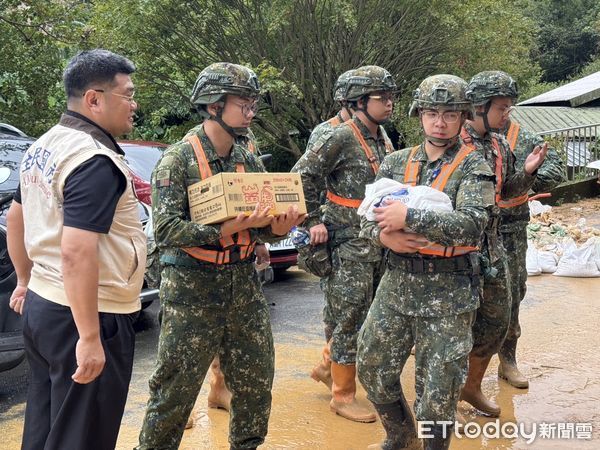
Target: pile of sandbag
567 250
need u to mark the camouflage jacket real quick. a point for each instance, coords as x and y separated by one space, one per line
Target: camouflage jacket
549 175
471 190
338 158
514 183
176 170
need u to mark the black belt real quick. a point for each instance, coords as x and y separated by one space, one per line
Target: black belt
467 264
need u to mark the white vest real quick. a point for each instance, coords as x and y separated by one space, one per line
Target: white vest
121 252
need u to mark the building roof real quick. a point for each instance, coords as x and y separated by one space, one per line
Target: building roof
576 93
545 118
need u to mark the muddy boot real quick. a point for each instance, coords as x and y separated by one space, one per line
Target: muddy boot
471 391
322 371
399 427
219 396
190 422
459 422
440 440
343 392
507 369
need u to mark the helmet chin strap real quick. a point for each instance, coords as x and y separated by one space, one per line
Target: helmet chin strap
369 116
441 143
484 116
234 132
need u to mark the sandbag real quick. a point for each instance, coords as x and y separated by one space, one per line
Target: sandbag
532 261
578 262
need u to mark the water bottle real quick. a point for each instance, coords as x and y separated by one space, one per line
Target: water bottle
300 237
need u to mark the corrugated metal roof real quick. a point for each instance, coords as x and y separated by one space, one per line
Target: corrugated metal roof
545 118
576 93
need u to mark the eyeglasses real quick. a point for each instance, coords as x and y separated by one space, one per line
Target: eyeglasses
432 115
129 98
384 98
505 110
248 108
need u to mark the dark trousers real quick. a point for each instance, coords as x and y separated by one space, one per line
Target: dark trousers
62 414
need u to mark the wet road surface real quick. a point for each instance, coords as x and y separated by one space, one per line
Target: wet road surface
559 351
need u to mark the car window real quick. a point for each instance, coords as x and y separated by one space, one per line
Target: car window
142 158
11 154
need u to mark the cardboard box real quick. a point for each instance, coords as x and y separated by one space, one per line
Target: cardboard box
225 195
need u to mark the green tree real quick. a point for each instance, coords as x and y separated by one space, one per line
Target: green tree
35 39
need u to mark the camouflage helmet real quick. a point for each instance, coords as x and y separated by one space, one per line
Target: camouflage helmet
492 83
444 90
367 79
341 85
223 78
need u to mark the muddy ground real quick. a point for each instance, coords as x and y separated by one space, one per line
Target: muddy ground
559 351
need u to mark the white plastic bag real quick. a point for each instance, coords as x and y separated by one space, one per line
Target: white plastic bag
595 243
419 197
578 262
536 208
532 260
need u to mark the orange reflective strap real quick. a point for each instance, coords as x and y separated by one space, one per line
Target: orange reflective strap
211 256
447 169
412 168
512 202
347 202
512 135
368 152
203 166
251 146
243 240
498 169
334 121
446 252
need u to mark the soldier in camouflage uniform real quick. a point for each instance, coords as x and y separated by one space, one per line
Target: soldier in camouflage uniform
211 298
493 94
430 290
348 160
321 133
513 226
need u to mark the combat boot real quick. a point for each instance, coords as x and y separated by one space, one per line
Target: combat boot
322 371
397 421
343 392
471 391
440 439
219 396
507 369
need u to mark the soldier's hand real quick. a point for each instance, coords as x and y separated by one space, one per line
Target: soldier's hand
258 219
391 216
318 234
17 299
283 223
402 242
90 360
262 255
536 158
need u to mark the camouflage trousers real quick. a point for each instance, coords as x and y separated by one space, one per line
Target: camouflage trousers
493 314
348 295
515 243
442 345
217 309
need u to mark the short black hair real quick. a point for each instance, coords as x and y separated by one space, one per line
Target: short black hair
93 66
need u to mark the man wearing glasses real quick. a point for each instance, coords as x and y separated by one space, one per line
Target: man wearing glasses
79 252
212 301
348 160
493 94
